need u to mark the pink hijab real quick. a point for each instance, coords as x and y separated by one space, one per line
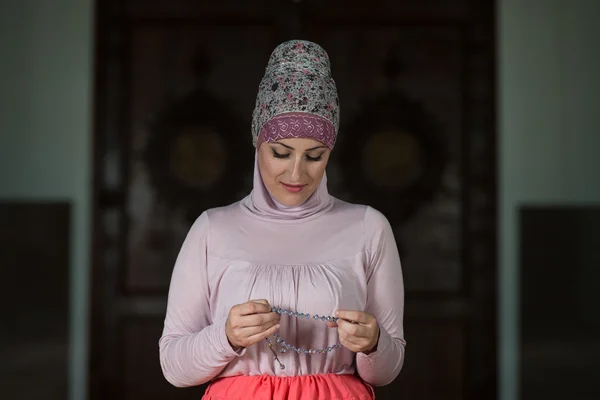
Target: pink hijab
297 98
261 204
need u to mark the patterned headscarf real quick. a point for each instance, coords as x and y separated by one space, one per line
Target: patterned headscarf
297 97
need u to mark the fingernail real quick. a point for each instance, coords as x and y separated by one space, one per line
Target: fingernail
337 313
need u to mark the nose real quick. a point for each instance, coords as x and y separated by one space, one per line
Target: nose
297 169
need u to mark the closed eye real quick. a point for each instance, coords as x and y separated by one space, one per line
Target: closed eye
285 156
319 158
277 155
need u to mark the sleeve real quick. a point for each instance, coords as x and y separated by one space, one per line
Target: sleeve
385 300
193 348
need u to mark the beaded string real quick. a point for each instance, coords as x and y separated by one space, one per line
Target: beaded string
286 346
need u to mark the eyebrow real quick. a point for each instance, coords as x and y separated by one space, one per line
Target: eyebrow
291 148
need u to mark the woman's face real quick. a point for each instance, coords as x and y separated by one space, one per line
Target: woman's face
292 169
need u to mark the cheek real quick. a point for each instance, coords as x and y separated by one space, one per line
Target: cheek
316 172
270 169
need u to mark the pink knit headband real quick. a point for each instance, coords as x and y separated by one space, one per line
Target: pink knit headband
298 125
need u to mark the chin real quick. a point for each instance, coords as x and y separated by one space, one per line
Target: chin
290 200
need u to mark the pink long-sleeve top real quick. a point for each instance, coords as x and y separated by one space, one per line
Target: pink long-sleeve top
318 258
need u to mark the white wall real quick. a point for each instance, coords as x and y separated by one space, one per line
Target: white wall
549 132
45 114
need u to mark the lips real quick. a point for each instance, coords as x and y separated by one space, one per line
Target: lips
293 188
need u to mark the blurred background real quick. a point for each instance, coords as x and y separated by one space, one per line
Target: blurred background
474 126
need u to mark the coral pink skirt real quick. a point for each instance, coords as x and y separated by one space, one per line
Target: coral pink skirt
309 387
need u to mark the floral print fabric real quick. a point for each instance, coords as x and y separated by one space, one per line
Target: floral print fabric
298 89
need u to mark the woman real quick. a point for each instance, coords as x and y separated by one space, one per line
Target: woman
289 292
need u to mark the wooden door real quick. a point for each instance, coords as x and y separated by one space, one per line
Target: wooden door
417 141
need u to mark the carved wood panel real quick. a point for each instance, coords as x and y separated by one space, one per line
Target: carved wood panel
417 141
191 88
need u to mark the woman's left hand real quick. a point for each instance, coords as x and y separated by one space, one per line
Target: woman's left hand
358 330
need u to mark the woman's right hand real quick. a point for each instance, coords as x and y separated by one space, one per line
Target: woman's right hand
250 322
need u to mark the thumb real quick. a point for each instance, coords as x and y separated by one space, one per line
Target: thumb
260 301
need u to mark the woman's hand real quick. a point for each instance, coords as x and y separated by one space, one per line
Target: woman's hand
358 331
251 322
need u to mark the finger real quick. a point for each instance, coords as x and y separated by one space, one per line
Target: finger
350 340
351 329
263 335
332 325
350 345
252 307
254 330
252 320
357 316
261 301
